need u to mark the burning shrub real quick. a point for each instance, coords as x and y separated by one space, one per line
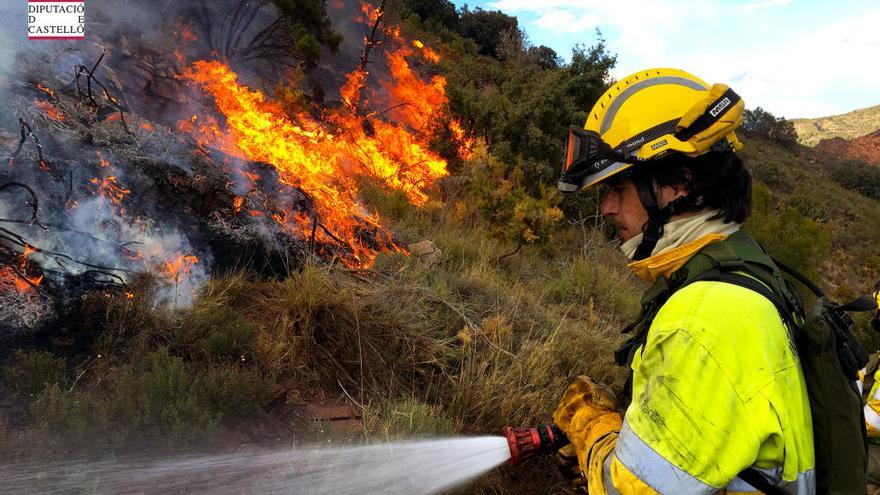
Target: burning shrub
124 323
32 371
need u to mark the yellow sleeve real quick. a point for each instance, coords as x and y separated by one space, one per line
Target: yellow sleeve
716 389
872 409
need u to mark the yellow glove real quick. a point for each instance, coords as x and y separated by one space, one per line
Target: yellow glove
587 413
567 462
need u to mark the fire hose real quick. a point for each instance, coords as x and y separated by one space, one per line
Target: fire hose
525 443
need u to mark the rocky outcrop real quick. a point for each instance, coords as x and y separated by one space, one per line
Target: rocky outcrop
865 148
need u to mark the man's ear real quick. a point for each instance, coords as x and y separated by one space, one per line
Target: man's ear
684 189
680 190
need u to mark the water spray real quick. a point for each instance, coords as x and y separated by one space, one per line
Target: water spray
525 443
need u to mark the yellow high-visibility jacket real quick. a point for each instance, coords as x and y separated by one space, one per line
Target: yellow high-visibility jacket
872 408
716 388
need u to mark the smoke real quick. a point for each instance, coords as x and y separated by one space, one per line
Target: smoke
101 210
102 131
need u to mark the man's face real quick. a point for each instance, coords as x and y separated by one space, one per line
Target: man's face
622 208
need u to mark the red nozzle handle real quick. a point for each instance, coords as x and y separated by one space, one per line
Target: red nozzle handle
525 443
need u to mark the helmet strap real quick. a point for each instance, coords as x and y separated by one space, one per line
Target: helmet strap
658 217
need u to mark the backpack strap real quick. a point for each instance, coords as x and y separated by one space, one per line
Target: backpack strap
738 253
751 284
727 261
754 477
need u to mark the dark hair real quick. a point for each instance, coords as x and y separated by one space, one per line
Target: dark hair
717 180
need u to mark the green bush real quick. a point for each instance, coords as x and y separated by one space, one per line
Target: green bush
787 234
32 371
234 393
221 334
810 205
856 176
764 123
157 394
516 215
154 400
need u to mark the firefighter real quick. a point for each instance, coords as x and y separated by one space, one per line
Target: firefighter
871 383
716 395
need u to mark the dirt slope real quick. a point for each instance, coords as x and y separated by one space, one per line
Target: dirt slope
865 148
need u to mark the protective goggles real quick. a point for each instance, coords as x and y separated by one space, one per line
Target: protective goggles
589 160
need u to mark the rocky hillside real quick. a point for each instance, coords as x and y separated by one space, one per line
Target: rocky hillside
864 148
847 126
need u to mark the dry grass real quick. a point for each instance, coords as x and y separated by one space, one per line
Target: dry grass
468 345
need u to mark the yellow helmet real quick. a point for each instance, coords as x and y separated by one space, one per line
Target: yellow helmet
645 116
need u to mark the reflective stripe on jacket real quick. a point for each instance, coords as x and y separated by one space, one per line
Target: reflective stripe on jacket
717 388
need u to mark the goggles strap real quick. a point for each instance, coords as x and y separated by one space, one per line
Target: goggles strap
652 231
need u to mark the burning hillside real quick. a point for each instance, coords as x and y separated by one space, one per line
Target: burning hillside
162 154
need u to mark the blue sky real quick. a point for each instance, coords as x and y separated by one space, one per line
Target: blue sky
795 58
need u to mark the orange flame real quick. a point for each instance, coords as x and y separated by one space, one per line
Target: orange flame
44 89
19 279
109 189
50 110
324 160
429 54
181 265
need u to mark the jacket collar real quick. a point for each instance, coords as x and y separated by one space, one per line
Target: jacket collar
681 239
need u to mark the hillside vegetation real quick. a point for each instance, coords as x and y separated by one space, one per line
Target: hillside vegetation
847 126
528 291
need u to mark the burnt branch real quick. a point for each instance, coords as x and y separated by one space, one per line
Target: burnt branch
275 43
373 39
369 43
115 282
255 9
67 228
203 18
327 231
80 70
26 132
314 231
231 19
20 241
35 203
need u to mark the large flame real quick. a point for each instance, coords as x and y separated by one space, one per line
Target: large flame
323 158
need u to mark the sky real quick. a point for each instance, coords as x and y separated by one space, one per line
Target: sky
793 58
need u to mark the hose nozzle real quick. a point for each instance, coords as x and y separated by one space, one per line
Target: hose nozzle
525 443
